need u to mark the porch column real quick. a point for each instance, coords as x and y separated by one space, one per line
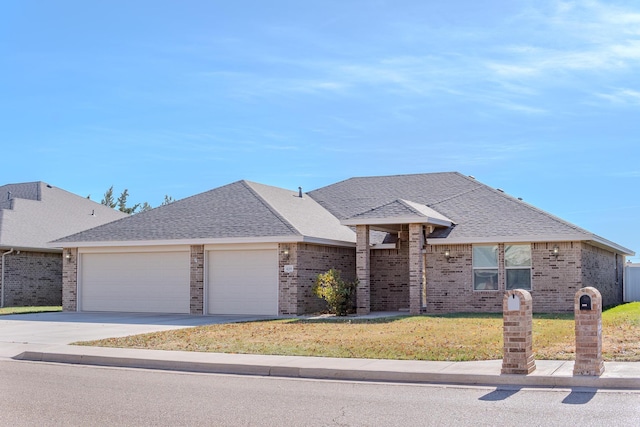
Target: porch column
416 268
363 270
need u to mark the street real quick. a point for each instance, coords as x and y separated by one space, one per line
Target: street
51 394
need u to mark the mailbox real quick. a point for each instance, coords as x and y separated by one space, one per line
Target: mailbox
585 302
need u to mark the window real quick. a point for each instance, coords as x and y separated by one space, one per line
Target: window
517 265
485 267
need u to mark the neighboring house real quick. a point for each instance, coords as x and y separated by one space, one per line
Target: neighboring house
434 243
31 215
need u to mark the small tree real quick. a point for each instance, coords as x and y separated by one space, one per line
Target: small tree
338 293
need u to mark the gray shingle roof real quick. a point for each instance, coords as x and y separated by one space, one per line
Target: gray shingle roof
37 213
479 212
239 210
400 211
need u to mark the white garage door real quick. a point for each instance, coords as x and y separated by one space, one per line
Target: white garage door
243 282
153 282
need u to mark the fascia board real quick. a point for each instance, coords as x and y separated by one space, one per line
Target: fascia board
397 220
215 241
598 241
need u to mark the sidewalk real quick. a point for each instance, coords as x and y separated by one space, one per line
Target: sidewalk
548 373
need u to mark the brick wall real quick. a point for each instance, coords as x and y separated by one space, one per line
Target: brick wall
450 282
555 279
296 296
390 278
602 270
33 278
196 279
70 280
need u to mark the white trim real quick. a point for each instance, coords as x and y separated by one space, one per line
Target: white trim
241 247
384 246
133 249
588 238
397 220
207 241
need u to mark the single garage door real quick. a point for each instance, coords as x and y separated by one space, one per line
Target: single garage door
151 282
243 282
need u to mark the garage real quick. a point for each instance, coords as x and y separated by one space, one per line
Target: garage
242 281
152 282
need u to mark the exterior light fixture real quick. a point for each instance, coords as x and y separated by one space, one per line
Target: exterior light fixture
447 254
68 255
556 251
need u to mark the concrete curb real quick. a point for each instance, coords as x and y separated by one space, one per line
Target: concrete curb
618 375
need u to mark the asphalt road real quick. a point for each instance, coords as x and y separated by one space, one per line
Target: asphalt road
40 394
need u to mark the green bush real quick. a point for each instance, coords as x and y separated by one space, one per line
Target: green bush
338 293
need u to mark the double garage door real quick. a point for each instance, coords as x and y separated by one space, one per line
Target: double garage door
236 281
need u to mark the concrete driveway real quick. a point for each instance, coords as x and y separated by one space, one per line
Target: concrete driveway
46 329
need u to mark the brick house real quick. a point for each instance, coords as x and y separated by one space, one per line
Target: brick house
435 243
32 214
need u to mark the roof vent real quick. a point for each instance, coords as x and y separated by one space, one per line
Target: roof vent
520 198
472 177
93 212
9 195
500 190
300 192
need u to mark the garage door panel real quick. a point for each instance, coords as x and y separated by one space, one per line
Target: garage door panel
243 282
140 282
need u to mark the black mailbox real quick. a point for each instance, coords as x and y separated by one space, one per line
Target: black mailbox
585 302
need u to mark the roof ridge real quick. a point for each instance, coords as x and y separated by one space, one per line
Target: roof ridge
247 184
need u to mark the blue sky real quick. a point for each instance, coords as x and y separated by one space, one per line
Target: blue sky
539 98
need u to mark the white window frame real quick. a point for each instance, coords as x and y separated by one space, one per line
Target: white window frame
493 269
508 268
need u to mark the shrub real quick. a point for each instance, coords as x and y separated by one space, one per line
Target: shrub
338 293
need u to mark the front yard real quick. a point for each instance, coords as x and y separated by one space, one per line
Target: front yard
453 337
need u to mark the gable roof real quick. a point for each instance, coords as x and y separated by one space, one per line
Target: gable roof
34 213
399 212
240 211
480 213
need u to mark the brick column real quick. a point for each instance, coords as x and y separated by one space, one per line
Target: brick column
196 283
288 281
363 270
416 268
588 316
517 309
70 279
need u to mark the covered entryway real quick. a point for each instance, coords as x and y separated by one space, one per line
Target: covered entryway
242 281
150 282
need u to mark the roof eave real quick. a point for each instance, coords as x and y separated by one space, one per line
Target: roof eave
592 239
205 241
397 220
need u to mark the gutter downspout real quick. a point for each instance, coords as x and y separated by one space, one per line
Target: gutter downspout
2 278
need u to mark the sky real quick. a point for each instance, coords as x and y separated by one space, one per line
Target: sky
539 98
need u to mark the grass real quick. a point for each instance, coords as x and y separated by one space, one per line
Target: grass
448 337
26 310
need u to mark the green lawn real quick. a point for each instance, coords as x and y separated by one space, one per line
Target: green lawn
450 337
25 310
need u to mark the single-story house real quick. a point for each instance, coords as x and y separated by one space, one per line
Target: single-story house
31 215
434 243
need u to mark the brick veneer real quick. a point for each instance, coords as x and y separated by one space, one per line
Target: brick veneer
309 260
588 330
32 278
554 279
603 270
390 278
363 269
517 354
196 282
70 280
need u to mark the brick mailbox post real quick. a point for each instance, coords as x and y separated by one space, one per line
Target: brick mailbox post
588 315
517 311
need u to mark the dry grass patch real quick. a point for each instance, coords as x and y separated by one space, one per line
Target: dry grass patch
453 337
